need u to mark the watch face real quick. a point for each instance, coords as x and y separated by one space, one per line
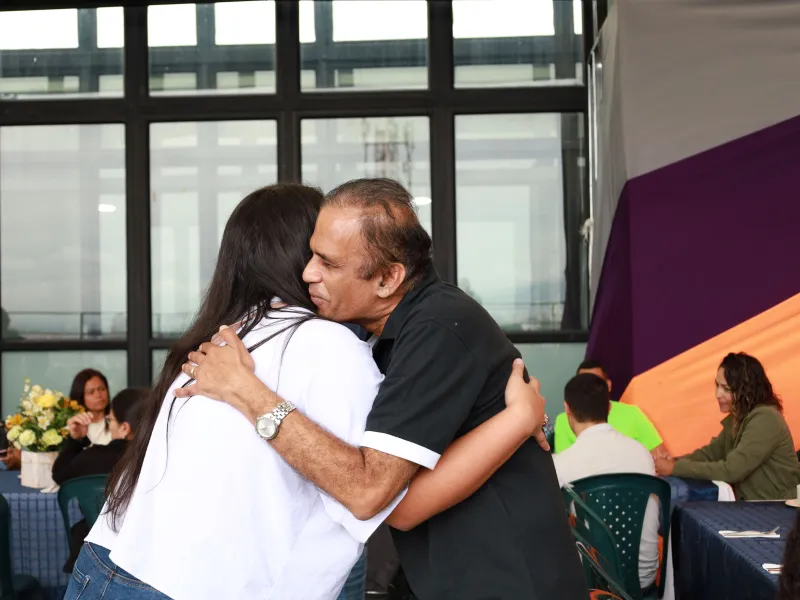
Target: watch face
266 428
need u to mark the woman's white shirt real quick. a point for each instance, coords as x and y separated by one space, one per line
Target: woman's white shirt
217 513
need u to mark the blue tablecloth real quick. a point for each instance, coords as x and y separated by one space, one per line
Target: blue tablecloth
38 541
692 490
709 566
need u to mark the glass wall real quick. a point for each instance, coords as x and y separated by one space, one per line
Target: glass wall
62 232
337 150
120 166
199 171
511 185
60 54
56 370
492 49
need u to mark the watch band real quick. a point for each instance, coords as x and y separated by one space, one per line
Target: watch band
279 413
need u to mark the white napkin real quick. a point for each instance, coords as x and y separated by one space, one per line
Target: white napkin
51 489
725 493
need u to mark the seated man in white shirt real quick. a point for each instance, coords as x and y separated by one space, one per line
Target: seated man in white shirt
602 450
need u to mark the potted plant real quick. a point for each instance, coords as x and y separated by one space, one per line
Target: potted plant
39 430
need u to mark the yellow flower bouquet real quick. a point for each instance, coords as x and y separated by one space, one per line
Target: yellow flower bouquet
39 429
41 423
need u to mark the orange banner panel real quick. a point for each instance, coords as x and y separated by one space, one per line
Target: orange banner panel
678 395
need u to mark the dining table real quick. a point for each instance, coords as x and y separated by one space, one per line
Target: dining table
709 564
39 544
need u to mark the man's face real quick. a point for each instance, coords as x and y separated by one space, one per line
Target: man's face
599 372
332 273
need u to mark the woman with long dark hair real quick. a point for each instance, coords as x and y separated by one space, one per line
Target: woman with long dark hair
755 451
187 521
90 390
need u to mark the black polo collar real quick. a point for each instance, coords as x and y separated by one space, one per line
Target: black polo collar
398 316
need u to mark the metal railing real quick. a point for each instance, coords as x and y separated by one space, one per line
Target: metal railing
94 325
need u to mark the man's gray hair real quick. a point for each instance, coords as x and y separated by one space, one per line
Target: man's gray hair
390 228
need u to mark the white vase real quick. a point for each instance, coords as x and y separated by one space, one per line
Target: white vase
37 469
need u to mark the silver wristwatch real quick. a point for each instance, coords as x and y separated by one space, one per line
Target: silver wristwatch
267 425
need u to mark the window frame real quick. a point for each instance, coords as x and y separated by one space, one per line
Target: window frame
440 103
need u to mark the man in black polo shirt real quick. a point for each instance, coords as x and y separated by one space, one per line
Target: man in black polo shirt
446 364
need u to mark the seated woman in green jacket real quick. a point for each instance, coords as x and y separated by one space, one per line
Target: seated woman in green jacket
755 452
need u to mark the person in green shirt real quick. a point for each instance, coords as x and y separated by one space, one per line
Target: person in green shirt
629 420
755 452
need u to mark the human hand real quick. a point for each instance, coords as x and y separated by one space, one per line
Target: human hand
660 452
11 458
78 426
664 466
527 399
222 370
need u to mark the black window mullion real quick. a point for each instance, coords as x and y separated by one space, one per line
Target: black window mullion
442 137
287 83
137 197
571 166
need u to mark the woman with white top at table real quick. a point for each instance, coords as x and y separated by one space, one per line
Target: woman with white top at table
187 522
90 390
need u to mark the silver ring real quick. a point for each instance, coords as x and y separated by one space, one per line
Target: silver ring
546 420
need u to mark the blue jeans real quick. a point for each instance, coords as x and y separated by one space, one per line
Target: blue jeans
354 587
96 577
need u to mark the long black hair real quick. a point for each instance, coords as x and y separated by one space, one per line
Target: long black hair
78 389
264 250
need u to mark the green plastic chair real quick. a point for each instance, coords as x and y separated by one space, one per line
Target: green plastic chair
601 584
13 587
593 534
620 500
89 491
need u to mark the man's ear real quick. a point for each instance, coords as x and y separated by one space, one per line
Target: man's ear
391 280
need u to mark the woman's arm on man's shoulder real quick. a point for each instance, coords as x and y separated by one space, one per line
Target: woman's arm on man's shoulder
473 458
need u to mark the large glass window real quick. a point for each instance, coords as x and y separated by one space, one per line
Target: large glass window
337 150
226 47
364 44
53 54
199 172
88 214
514 174
56 370
158 357
516 43
62 232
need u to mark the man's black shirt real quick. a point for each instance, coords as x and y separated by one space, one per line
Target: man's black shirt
446 364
